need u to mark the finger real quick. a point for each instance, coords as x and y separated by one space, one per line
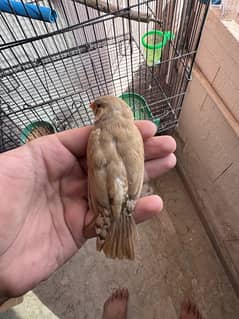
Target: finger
159 146
74 219
83 165
147 128
145 208
158 167
89 228
75 140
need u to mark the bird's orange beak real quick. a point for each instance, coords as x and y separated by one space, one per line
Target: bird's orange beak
93 106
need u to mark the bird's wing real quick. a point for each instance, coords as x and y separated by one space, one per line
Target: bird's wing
97 180
130 148
107 176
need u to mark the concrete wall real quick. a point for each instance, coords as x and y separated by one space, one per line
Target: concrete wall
208 143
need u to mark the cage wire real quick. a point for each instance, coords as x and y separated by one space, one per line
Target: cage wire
52 71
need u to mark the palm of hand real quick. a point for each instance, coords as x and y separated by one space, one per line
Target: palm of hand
44 207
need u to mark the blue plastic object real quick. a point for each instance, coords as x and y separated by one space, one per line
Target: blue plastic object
214 2
28 10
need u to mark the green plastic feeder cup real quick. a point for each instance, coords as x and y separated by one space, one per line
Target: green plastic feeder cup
36 129
139 107
154 41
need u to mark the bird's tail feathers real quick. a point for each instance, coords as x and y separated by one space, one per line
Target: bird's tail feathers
120 240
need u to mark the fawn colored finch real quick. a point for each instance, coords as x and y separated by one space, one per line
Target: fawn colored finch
115 158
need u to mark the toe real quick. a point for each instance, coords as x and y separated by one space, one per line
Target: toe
186 305
183 308
125 293
117 293
122 293
191 306
194 309
112 297
109 299
107 302
199 315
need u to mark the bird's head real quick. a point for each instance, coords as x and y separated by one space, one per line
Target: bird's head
106 107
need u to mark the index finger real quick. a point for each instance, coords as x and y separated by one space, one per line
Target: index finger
75 140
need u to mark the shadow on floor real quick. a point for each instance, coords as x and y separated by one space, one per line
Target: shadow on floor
9 314
68 293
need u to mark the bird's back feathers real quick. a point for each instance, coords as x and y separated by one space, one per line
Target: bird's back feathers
115 159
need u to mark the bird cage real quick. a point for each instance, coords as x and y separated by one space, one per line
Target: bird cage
58 56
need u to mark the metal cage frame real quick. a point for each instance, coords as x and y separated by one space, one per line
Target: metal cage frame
52 71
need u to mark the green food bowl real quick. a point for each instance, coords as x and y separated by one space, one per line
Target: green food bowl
139 107
153 42
35 130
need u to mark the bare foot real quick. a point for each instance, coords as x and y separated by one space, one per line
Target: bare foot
116 306
189 311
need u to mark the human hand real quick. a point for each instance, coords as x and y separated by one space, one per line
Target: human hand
44 205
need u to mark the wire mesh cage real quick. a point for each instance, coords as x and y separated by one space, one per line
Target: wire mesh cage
54 63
